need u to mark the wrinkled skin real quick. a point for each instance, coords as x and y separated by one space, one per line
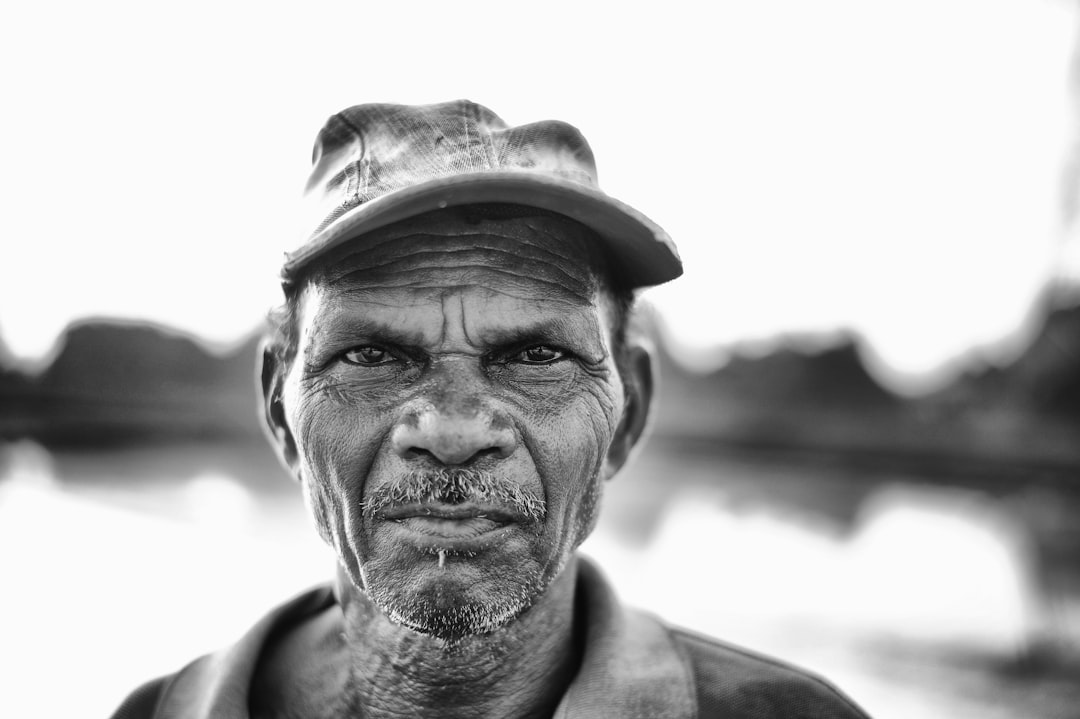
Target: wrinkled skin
445 344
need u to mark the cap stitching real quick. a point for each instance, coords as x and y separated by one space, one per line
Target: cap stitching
485 141
465 122
350 169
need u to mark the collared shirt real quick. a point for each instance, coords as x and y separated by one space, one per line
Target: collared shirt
634 666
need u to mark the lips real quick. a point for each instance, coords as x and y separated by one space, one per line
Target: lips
435 525
450 528
447 512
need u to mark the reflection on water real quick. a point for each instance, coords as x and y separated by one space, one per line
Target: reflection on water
911 570
920 596
944 566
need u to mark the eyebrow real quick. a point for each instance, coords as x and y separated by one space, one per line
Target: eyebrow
355 328
552 330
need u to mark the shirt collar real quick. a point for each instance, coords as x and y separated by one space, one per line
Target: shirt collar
631 666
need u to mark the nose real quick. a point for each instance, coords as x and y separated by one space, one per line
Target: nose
453 435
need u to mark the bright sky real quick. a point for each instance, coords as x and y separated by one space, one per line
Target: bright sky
892 166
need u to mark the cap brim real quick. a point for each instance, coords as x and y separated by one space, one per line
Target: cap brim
640 251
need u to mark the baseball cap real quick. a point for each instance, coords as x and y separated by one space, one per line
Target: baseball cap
377 164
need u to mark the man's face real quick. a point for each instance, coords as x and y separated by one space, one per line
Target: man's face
452 402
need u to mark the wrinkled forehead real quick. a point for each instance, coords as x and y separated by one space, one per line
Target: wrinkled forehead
534 256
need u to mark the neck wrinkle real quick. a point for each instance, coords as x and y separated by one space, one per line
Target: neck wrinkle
520 670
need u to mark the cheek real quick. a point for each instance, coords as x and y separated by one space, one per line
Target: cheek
337 444
570 444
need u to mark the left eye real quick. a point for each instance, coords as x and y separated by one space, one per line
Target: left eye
539 354
368 355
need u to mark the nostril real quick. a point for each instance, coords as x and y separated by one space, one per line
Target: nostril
417 453
490 452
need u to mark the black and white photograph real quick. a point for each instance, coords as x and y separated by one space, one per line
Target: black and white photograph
565 360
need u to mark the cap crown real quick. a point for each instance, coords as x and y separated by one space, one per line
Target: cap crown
368 151
377 164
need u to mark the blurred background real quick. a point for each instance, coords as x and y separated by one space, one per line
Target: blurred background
866 456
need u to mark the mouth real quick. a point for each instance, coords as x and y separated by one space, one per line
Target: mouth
437 527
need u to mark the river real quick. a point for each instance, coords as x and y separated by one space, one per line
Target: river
922 596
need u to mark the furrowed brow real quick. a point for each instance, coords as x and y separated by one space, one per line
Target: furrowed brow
357 329
566 334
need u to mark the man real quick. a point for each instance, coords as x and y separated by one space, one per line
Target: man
452 381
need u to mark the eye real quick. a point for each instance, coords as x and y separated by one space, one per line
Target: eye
538 354
368 355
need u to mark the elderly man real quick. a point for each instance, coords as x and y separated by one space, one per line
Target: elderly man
452 381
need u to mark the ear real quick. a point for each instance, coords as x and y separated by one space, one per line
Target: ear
272 375
638 389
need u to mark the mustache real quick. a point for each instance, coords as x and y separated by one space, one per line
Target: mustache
456 485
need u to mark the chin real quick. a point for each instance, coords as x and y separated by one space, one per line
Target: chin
464 597
457 622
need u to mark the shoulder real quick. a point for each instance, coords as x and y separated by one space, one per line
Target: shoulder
737 683
142 703
219 684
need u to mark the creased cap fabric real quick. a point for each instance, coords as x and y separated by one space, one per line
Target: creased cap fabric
377 164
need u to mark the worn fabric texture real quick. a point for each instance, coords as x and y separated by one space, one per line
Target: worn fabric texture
634 666
376 164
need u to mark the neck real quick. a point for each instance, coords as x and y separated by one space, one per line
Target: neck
520 670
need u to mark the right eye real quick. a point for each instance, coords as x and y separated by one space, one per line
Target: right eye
539 355
368 356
